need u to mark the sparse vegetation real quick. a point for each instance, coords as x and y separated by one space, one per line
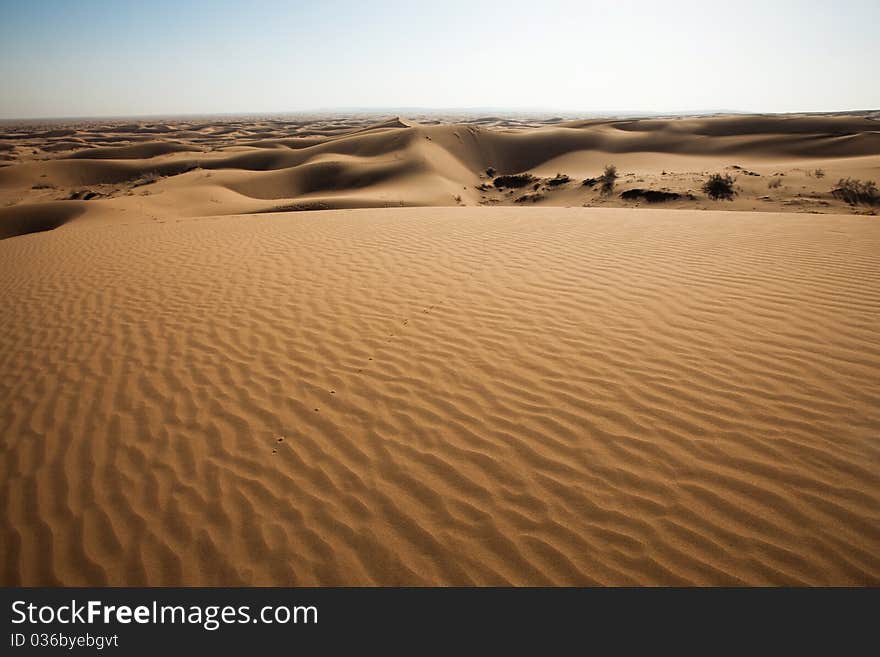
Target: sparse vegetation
651 195
457 198
857 191
308 206
514 180
819 173
560 179
719 187
608 178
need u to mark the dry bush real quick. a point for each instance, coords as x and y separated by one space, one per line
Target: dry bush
857 191
560 179
650 195
719 187
608 178
514 180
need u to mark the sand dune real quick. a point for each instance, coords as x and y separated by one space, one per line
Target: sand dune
204 382
210 167
35 218
140 151
441 396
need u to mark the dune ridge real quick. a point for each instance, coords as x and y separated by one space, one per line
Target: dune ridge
440 396
209 167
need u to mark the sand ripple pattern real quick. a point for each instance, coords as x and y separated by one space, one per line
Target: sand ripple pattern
511 396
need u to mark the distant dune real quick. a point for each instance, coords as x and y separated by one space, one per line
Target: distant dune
203 381
213 167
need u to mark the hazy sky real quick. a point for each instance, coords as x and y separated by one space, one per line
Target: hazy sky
114 57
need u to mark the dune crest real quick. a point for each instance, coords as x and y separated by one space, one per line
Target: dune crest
207 167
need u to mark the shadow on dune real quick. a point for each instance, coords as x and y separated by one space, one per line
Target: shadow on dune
342 161
37 217
140 151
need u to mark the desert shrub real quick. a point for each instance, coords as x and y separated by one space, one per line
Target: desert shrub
719 186
819 173
560 179
650 195
308 206
514 180
857 191
774 183
608 178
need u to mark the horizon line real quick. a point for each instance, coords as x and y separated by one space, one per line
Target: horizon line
428 110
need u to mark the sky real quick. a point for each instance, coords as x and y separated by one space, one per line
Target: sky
68 58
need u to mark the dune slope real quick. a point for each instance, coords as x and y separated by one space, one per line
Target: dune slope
442 396
206 168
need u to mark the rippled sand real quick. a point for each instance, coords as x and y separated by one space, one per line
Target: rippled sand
442 396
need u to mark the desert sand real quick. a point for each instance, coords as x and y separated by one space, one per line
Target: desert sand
205 167
228 356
